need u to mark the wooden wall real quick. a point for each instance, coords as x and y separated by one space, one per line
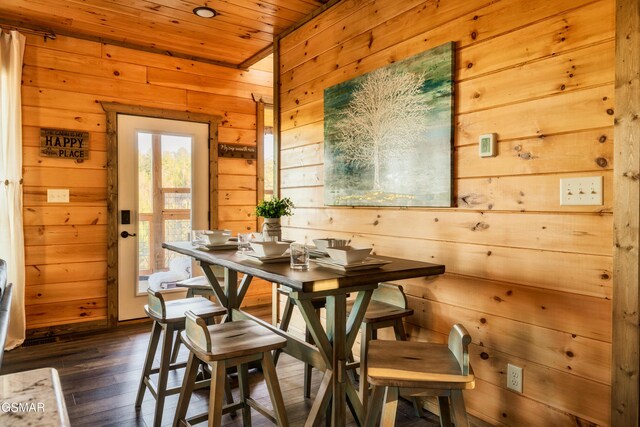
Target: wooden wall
530 279
64 81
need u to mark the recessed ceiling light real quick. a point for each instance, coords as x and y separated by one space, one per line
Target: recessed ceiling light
205 12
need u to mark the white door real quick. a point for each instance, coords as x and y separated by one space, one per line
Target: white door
163 193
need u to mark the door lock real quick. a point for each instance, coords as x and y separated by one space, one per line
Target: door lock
126 234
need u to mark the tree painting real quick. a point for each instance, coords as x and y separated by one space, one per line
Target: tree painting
386 114
388 134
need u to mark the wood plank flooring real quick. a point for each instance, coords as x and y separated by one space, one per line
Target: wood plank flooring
100 374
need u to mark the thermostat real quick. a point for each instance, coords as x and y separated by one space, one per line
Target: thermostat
487 145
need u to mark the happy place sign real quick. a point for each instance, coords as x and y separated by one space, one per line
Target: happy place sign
63 143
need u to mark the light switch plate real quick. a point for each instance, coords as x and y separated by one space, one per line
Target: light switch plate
57 195
487 145
584 191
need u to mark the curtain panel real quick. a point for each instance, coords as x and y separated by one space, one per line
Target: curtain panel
11 225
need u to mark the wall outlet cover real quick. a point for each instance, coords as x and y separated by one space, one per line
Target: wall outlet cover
57 195
514 378
583 191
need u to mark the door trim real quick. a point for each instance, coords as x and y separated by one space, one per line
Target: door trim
112 109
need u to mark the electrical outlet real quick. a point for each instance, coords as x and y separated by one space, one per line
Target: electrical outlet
585 191
514 378
55 195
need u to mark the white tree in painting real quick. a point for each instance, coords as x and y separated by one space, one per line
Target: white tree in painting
385 116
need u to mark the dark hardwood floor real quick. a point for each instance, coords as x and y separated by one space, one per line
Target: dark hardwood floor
100 374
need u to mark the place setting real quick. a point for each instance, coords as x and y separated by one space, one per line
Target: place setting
264 252
339 254
213 240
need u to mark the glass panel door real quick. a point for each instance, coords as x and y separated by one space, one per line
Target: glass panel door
164 201
163 192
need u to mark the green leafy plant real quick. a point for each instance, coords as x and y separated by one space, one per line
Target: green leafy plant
274 208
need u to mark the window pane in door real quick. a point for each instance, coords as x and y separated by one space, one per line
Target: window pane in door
176 161
145 202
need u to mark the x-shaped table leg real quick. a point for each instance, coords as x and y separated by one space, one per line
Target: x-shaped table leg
231 295
334 346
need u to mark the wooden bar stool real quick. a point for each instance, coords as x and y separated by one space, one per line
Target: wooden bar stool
222 346
317 303
168 316
387 308
420 369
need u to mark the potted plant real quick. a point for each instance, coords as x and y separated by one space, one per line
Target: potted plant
272 210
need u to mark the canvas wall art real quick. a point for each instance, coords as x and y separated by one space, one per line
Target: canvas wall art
388 134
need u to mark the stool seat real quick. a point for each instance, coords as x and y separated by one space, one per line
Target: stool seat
378 311
235 339
415 365
174 312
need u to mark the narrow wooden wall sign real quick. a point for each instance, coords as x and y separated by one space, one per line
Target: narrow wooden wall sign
237 151
64 143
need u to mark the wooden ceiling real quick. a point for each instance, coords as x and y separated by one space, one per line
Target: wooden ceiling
241 32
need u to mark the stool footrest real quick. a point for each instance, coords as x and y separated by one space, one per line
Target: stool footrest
200 418
266 412
172 366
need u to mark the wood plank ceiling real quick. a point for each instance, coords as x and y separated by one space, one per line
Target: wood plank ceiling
238 34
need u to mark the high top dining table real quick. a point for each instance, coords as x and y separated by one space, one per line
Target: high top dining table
331 350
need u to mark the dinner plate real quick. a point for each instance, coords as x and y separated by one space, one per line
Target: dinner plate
367 264
223 246
265 259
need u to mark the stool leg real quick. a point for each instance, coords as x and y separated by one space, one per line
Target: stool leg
445 415
459 412
390 407
398 328
187 389
307 367
163 374
216 395
148 361
270 377
377 397
176 347
366 335
243 381
284 326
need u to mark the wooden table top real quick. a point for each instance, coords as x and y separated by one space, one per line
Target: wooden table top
317 278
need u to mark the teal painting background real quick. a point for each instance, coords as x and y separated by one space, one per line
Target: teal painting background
417 173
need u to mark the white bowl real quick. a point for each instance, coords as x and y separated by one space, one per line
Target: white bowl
216 237
323 244
348 254
264 249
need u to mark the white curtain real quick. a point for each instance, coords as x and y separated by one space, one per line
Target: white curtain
11 231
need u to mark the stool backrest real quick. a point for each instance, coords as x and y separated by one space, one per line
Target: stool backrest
197 331
156 303
459 340
390 294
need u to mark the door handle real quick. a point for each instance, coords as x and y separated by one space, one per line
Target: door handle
126 234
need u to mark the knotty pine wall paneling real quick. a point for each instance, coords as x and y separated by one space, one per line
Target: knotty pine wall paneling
64 81
530 279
